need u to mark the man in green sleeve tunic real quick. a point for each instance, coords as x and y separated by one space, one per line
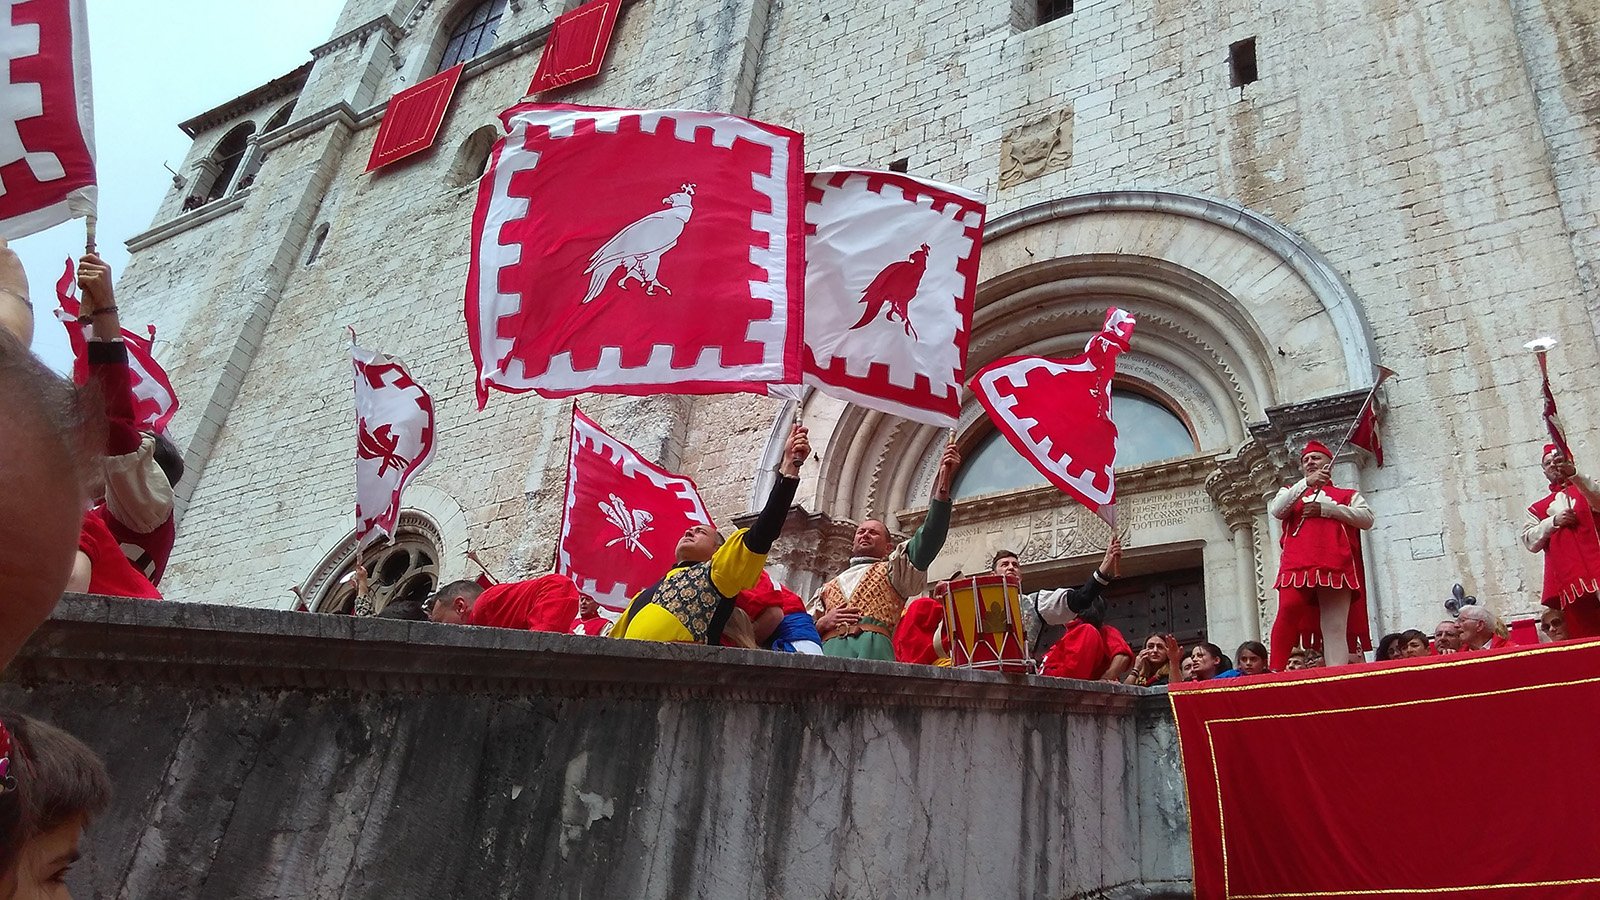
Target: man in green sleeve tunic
858 610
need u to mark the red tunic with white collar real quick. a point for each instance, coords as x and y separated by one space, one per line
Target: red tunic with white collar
1319 551
1571 555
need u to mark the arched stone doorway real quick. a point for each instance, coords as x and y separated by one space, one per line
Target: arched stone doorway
1245 334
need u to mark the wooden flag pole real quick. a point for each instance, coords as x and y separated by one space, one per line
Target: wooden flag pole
90 223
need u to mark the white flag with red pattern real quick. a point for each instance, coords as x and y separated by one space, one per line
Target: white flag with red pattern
154 400
636 252
891 270
1057 413
47 136
394 439
623 518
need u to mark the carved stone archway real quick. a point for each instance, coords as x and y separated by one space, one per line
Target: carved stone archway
1244 328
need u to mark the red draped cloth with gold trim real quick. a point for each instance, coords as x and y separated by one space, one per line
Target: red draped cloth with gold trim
1307 784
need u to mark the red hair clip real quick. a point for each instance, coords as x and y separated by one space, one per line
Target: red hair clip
8 782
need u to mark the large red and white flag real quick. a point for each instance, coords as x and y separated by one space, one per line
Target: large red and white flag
394 439
47 139
623 518
637 252
1057 413
891 269
154 400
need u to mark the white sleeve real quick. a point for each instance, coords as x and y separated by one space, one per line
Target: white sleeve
137 492
1356 512
1280 503
1536 533
1053 606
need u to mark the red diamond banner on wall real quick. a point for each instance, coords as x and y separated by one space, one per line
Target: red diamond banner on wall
412 119
637 252
46 116
576 47
891 269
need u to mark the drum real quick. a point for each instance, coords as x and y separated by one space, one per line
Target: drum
983 623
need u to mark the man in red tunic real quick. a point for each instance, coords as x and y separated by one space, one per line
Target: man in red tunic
545 603
589 620
1562 527
1322 601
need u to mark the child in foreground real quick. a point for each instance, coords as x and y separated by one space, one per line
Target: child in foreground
56 786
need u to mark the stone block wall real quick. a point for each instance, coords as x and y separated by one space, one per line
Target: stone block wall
260 754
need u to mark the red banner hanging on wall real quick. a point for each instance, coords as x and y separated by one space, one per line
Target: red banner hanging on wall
576 47
412 119
1306 785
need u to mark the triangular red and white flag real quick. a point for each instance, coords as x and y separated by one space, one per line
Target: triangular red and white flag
576 47
637 252
1541 347
891 270
623 518
47 145
1057 413
394 439
154 399
1366 433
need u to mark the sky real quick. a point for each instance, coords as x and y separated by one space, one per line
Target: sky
157 63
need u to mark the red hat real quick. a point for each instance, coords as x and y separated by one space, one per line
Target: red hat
1548 449
1316 447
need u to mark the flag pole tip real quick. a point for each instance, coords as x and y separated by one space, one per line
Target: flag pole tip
1540 345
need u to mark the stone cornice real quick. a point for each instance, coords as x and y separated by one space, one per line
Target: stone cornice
1185 471
114 641
188 220
254 99
359 34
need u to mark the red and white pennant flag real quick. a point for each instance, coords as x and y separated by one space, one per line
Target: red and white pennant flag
623 518
891 270
636 252
394 439
46 116
154 399
1057 413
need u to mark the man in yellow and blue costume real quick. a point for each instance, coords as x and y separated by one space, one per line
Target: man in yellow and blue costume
692 603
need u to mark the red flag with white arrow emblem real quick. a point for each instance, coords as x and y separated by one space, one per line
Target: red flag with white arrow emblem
1057 413
624 516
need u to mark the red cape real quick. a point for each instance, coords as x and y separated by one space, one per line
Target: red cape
546 603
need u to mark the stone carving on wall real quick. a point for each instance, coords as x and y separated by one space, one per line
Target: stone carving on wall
1035 147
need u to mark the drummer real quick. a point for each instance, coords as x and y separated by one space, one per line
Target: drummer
1045 614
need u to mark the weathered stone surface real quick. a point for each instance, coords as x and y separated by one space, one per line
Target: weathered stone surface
262 755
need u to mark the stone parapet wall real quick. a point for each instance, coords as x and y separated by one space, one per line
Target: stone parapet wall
262 754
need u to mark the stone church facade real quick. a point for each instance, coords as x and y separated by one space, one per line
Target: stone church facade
1286 195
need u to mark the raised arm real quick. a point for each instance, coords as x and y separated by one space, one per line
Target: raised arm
1057 607
769 524
928 540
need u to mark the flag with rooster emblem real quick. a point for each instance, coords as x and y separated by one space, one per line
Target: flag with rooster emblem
891 269
394 439
624 516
